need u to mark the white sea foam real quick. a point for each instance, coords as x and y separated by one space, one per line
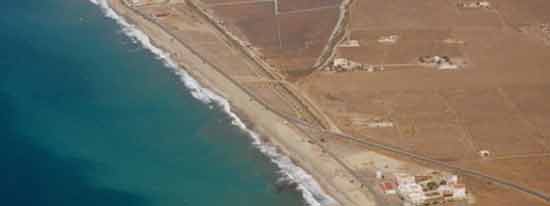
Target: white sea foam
311 190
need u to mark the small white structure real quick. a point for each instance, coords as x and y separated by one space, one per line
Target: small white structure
417 198
373 68
343 64
484 4
453 41
409 188
484 153
350 43
391 39
447 190
404 179
459 192
545 29
447 66
137 2
340 62
379 174
475 5
452 179
439 62
434 188
380 124
346 65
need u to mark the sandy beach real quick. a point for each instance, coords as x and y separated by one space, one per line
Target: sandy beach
275 63
330 174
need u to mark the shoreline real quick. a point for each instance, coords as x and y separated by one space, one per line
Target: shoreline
284 138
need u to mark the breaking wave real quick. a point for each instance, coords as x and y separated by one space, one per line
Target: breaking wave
310 189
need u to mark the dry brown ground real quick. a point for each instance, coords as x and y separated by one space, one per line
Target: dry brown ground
188 27
498 102
290 36
293 5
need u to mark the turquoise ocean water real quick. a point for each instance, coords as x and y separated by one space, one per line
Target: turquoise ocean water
89 117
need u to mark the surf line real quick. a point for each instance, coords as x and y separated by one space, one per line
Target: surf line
309 187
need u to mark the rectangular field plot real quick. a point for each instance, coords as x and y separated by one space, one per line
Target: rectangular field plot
505 137
520 12
303 37
424 35
542 122
410 103
296 59
378 14
476 105
443 142
531 100
293 5
420 14
254 22
472 19
289 34
301 30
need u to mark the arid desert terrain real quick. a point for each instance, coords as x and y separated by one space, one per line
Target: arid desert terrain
461 87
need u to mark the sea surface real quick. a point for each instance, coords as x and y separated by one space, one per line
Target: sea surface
88 116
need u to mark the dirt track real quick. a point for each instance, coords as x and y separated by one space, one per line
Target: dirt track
496 102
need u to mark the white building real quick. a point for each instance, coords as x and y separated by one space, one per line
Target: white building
410 188
475 5
459 192
452 179
380 124
417 198
391 39
343 64
447 66
420 190
441 62
404 179
350 43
